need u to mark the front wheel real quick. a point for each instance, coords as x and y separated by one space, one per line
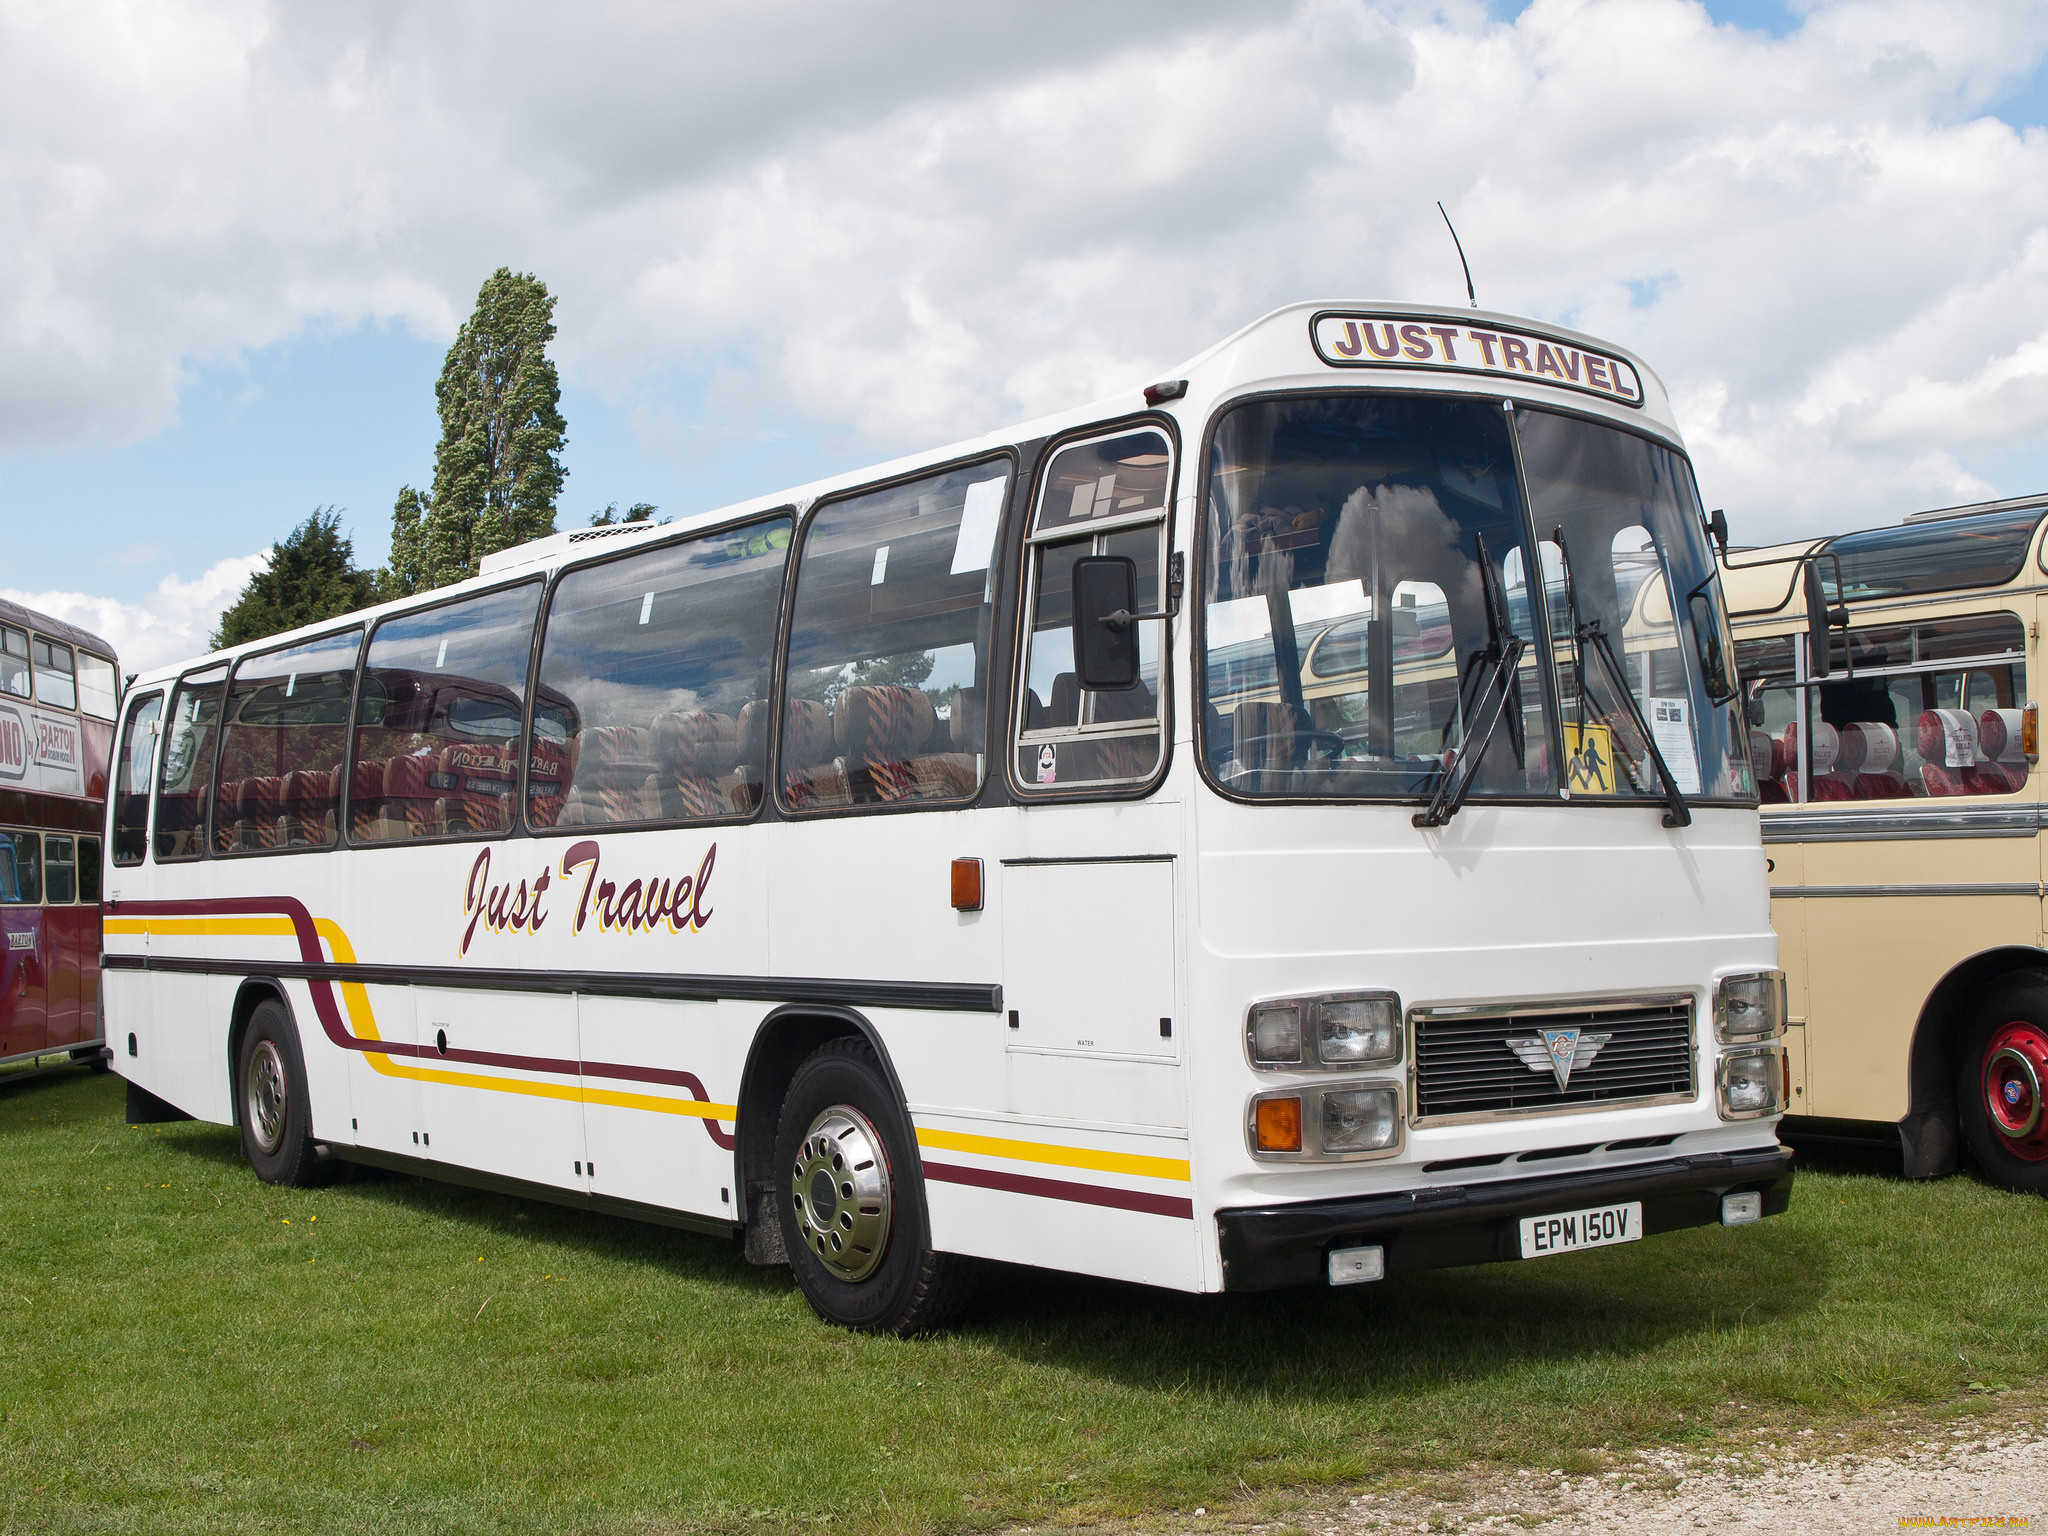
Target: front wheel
2000 1076
851 1202
277 1122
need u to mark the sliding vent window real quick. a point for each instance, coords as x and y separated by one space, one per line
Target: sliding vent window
131 779
888 650
281 764
653 697
1102 498
438 720
14 675
185 769
1362 582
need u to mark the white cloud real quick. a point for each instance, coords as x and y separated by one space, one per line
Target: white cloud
914 220
175 621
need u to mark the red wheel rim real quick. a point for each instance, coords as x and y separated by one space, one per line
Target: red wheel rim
2015 1069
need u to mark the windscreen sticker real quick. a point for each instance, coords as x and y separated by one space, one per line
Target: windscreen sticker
1400 341
1671 729
1590 770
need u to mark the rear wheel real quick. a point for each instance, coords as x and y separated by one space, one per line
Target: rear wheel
2000 1077
277 1123
851 1202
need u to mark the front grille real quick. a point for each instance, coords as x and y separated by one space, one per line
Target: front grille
1464 1065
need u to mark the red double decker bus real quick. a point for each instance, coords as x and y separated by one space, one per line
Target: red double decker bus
59 692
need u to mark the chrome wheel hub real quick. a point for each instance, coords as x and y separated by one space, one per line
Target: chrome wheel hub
840 1189
267 1100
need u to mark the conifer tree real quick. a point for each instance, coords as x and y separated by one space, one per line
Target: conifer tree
498 467
311 576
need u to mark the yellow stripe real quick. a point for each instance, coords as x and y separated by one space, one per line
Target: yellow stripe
1065 1157
363 1020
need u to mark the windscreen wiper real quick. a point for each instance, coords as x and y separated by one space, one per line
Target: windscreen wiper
1588 633
1489 683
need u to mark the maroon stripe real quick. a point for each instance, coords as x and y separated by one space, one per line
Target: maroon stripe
1062 1189
336 1028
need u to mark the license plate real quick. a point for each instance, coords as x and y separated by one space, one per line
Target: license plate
1597 1226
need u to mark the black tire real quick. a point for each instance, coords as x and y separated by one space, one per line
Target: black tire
271 1103
839 1102
2003 1054
92 1059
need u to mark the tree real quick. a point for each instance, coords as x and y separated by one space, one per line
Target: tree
310 576
407 571
639 512
498 467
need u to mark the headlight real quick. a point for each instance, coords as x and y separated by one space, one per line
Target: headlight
1750 1084
1336 1029
1749 1007
1339 1122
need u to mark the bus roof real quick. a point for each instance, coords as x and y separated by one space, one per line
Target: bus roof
56 629
1298 346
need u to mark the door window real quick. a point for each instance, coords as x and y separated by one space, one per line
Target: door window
888 648
1108 497
131 779
89 870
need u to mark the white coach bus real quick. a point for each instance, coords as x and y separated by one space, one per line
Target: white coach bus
904 870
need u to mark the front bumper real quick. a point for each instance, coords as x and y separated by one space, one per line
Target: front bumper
1274 1245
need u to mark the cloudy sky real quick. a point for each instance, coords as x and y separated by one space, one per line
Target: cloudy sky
794 238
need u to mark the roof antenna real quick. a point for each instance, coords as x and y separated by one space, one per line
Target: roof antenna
1461 254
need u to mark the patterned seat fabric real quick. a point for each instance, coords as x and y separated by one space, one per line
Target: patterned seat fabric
1998 733
365 798
810 778
1952 757
879 729
1868 753
693 752
613 773
411 803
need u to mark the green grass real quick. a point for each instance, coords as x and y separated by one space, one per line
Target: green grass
185 1349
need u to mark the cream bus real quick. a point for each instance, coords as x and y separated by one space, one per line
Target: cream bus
1138 843
1902 817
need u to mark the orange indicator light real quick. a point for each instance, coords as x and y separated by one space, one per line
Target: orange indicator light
2030 731
967 885
1279 1125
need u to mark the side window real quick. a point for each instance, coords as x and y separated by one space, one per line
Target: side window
185 768
56 673
287 731
1107 497
99 687
652 703
888 647
60 868
131 779
14 661
438 719
21 868
1933 711
89 870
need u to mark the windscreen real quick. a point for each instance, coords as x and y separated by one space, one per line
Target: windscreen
1368 566
1359 555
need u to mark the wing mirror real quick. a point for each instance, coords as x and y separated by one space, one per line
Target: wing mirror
1820 619
1105 625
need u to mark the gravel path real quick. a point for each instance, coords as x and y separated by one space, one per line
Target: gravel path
1994 1481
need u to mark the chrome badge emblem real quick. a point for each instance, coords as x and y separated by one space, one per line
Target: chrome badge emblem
1560 1052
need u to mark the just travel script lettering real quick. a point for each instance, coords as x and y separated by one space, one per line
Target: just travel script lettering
642 905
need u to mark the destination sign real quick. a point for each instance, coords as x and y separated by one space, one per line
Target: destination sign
1346 340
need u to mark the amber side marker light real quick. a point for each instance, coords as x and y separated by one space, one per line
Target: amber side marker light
967 885
1279 1125
2030 732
